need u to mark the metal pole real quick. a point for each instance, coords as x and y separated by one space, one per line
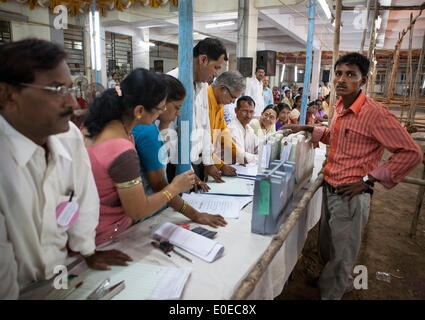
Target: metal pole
309 59
186 77
365 29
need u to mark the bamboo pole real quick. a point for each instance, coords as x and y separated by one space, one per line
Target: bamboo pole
415 91
248 284
422 6
391 84
410 180
419 201
371 52
409 71
365 29
335 56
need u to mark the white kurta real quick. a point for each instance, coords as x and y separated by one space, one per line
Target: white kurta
254 89
201 128
32 244
246 141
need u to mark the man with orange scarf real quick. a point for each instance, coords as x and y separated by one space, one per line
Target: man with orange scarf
225 89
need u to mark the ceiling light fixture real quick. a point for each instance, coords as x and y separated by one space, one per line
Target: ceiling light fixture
219 24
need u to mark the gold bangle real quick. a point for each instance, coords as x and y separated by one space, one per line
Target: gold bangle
168 195
129 184
184 207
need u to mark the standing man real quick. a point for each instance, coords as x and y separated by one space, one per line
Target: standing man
267 92
209 56
44 167
325 89
361 130
242 134
287 97
254 89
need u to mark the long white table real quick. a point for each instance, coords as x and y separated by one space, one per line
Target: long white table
219 280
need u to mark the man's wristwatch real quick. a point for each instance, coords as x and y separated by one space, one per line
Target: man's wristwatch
368 182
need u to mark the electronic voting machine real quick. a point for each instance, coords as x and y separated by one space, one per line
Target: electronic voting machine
287 162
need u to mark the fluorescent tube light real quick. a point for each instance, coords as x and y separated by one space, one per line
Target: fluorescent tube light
325 8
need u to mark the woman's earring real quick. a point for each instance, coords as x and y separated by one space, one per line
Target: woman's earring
139 117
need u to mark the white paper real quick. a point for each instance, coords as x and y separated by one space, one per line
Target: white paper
142 282
200 246
249 170
265 156
232 186
226 206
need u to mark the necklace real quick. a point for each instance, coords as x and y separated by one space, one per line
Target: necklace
126 131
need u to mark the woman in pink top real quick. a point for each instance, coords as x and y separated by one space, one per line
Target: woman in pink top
115 163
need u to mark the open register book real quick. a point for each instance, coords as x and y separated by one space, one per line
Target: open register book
200 246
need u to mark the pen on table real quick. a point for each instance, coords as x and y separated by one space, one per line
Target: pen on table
156 245
182 256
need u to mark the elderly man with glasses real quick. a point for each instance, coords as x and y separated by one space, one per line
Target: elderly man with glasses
225 90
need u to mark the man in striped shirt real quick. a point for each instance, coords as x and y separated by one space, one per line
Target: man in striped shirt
360 130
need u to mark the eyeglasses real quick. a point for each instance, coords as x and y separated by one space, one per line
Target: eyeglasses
230 94
246 112
269 116
60 90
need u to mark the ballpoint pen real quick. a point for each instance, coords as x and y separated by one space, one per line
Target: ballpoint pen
167 247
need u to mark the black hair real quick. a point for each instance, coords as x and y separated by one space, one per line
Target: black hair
271 107
355 59
175 88
282 105
20 60
327 96
300 89
212 47
296 99
260 67
248 99
140 87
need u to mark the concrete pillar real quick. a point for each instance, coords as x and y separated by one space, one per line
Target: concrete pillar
315 78
141 49
232 61
247 35
103 71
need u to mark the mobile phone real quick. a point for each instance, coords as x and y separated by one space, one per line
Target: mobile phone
204 232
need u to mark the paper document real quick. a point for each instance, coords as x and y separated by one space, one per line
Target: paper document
142 282
200 246
249 170
226 206
233 186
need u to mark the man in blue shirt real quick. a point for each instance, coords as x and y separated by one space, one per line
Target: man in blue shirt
267 92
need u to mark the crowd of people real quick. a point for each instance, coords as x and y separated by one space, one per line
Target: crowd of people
65 190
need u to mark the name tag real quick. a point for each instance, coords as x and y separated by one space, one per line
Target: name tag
66 213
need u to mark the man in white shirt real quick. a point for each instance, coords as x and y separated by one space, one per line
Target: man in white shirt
254 89
44 166
325 89
208 57
242 134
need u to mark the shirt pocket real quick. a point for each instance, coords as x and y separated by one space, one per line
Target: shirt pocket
355 144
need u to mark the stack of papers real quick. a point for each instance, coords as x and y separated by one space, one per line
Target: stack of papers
232 186
142 282
250 170
200 246
226 206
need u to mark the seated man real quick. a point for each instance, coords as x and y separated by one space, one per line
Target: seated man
225 89
44 168
153 155
242 134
